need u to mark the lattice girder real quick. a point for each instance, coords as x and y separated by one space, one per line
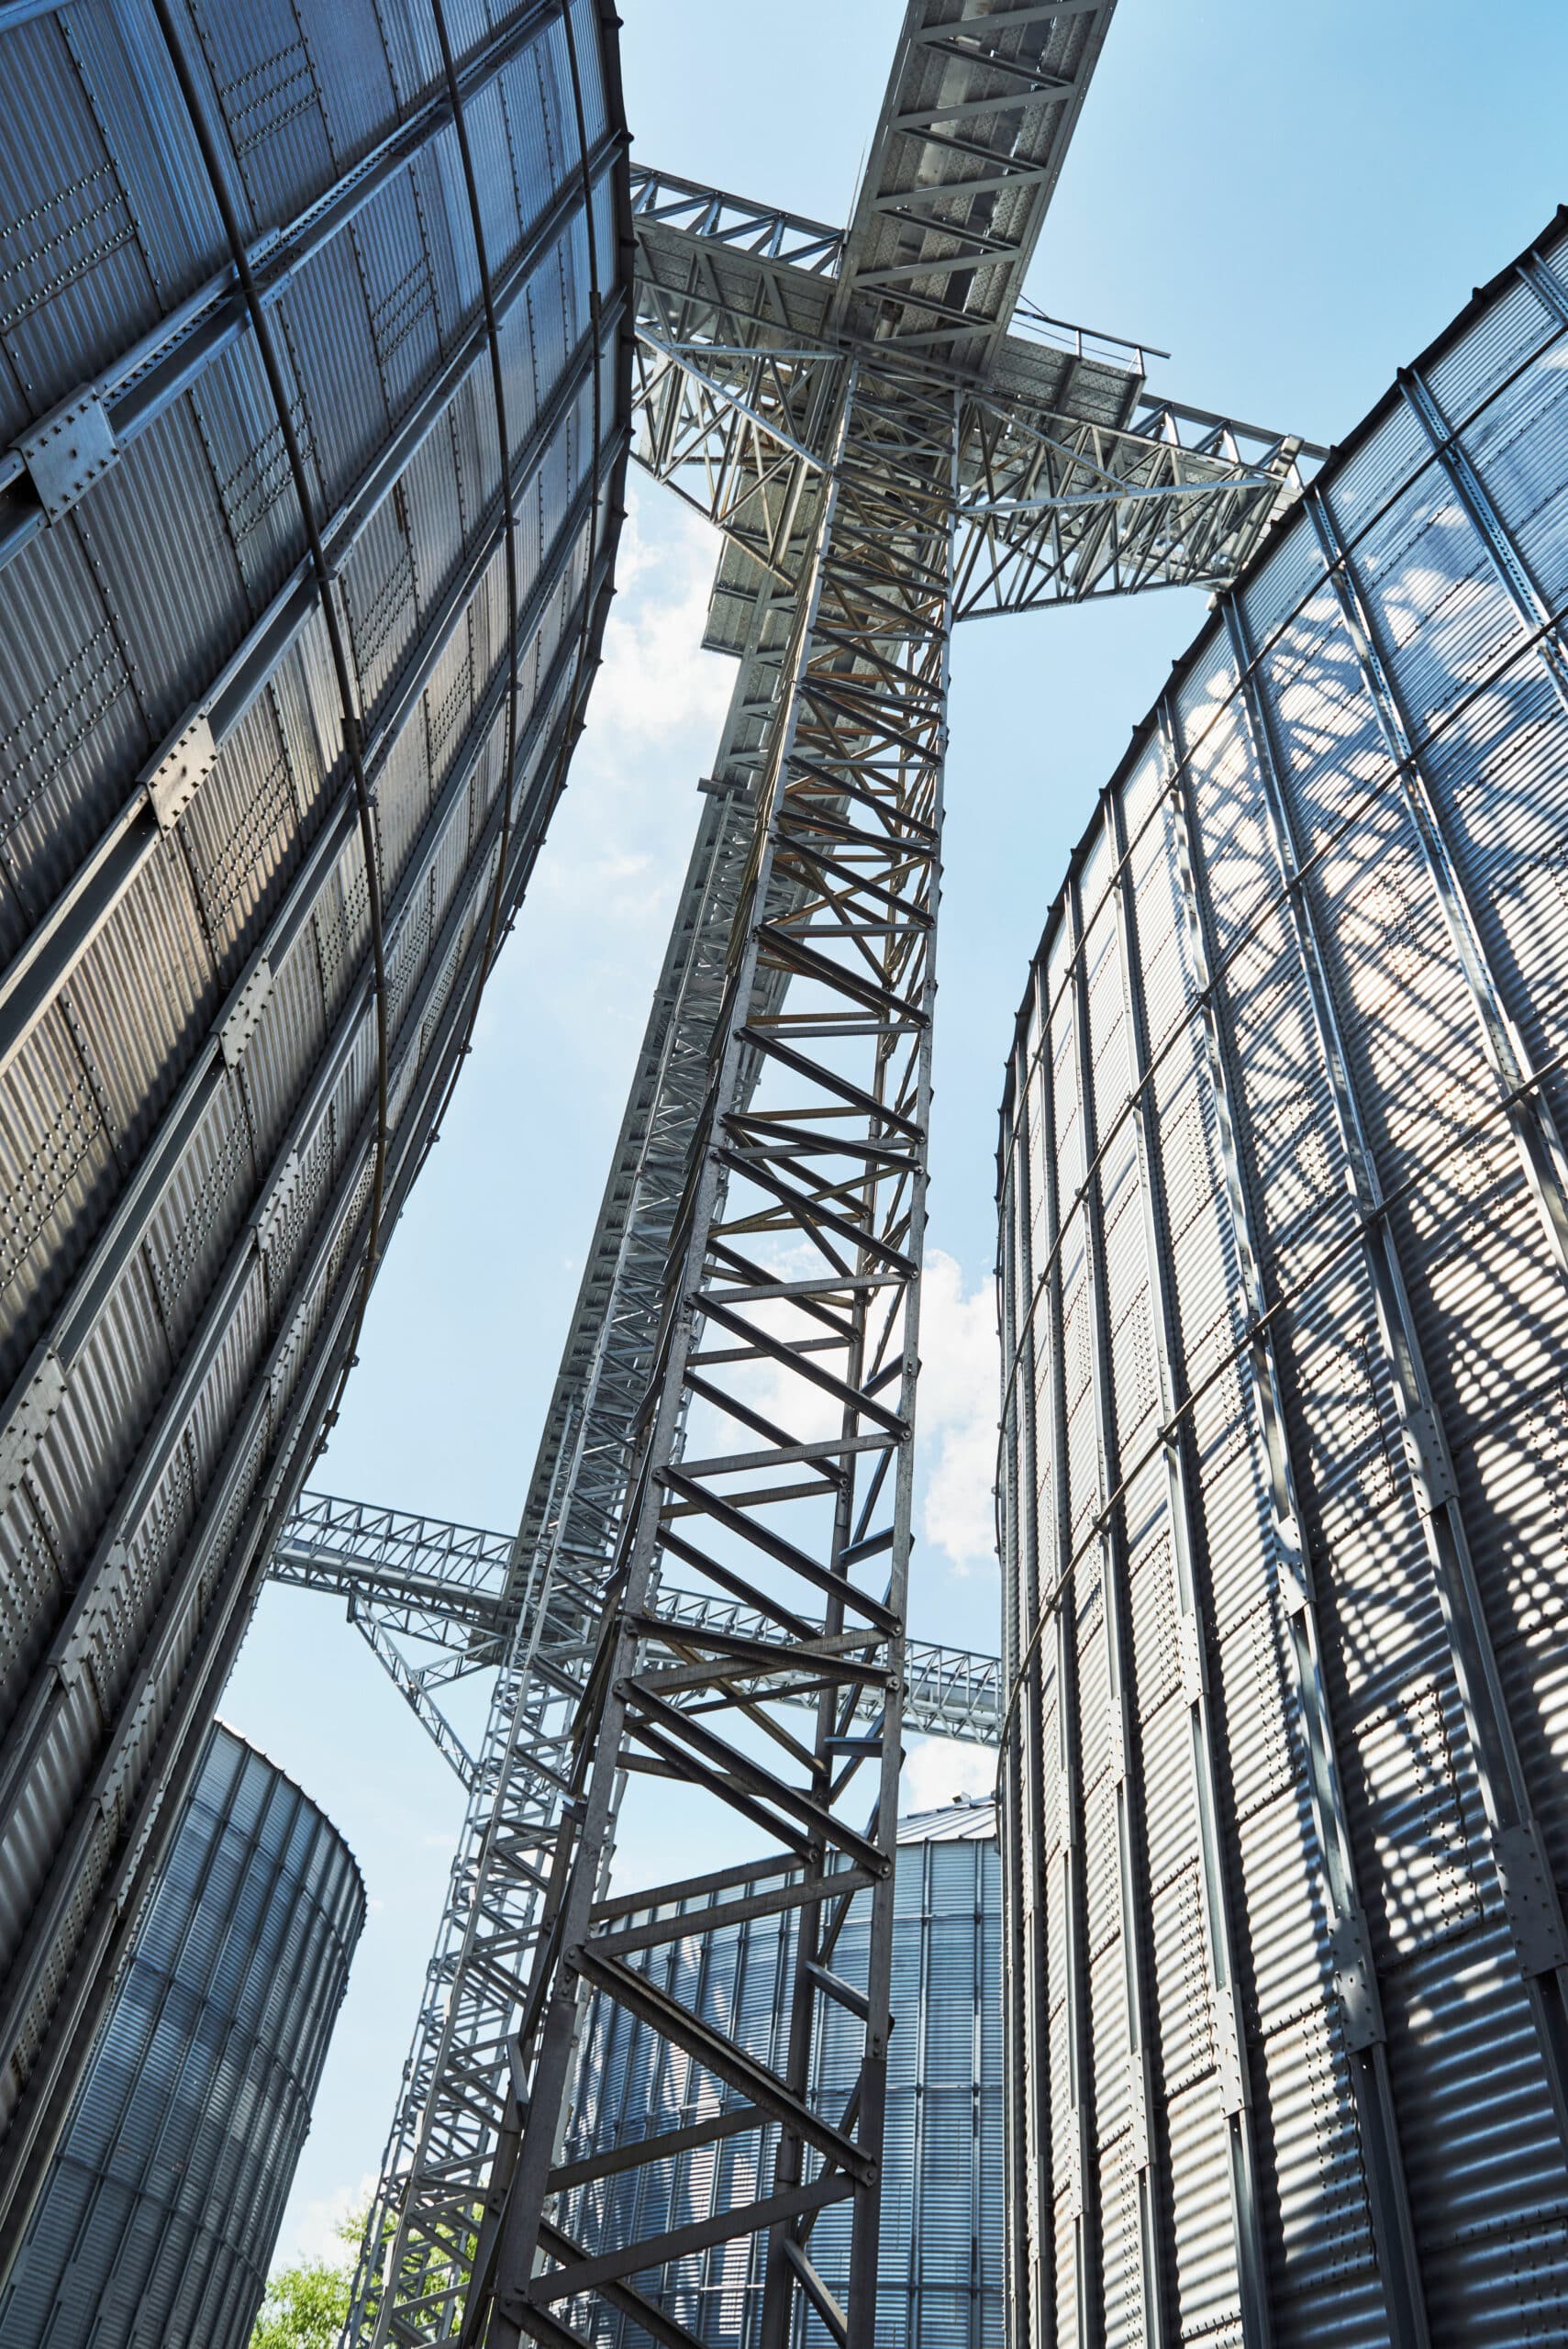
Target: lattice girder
797 1252
751 1437
1055 510
1073 482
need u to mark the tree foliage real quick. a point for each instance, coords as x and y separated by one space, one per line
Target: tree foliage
307 2306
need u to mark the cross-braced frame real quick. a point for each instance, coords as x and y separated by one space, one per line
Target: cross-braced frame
777 1461
840 405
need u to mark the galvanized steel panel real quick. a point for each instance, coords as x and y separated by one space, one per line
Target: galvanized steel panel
160 2210
187 1021
1345 831
939 2282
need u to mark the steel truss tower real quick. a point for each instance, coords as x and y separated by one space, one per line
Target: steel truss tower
890 441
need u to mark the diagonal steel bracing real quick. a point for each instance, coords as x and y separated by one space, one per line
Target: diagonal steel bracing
883 454
775 1463
1074 479
421 1578
415 2270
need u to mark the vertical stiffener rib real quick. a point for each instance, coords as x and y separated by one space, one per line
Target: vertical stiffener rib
1329 1070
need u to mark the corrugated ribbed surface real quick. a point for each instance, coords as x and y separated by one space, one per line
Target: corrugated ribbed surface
160 2212
187 1016
1285 1291
941 2271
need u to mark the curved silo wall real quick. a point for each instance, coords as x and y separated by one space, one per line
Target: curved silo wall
192 1009
160 2210
940 2283
1284 1287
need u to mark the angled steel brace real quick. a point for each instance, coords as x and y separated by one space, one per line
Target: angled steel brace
736 1393
887 519
406 1679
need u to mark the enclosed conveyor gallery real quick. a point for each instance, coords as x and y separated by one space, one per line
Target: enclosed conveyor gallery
314 403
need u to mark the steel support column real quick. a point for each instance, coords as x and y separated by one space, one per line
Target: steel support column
798 1249
1357 1982
1076 2181
1030 2270
1134 1890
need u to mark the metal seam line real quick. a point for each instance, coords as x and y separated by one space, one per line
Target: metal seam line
203 133
1292 1566
90 899
123 1231
1266 906
163 1434
498 394
150 1818
1134 1889
330 1339
1551 624
109 868
343 1191
1502 549
1513 656
1357 1987
1546 286
1191 1589
201 327
595 331
1327 1264
1033 1958
1080 2184
34 1951
1499 1764
1228 1990
1539 1144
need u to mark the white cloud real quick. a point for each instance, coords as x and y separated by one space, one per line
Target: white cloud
958 1406
938 1768
599 902
656 678
317 2235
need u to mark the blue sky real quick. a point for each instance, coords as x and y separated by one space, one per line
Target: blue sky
1292 201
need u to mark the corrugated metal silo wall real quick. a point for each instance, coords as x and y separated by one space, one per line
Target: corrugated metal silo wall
159 2216
1285 1451
940 2283
189 1014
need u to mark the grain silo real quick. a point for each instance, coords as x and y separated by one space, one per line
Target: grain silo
1285 1286
941 2273
314 397
160 2211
